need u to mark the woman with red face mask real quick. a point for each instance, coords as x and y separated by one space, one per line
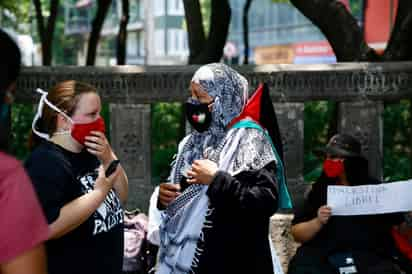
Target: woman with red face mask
341 244
67 167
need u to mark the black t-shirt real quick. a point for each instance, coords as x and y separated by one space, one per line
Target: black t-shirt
362 232
96 246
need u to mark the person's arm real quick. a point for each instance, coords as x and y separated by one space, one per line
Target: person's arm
80 209
121 183
23 227
98 145
305 231
32 261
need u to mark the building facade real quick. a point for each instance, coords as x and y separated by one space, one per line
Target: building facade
155 32
279 33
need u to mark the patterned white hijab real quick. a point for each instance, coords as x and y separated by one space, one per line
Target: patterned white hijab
229 90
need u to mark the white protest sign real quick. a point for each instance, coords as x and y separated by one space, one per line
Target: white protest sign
370 199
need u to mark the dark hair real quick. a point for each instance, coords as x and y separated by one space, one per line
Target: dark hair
357 170
9 70
4 137
10 61
65 96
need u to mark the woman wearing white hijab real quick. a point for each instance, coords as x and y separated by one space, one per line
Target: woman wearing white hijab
226 183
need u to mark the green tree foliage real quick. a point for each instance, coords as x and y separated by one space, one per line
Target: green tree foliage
65 47
396 141
20 9
166 125
22 115
316 117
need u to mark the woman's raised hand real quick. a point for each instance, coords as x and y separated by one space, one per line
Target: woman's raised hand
324 213
202 172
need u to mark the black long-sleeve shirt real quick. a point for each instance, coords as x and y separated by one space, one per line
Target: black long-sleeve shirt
235 239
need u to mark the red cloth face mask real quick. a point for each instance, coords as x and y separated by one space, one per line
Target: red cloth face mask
333 168
80 131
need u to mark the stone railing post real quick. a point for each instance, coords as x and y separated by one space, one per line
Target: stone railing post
130 138
290 118
364 120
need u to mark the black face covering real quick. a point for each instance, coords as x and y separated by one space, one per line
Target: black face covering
198 116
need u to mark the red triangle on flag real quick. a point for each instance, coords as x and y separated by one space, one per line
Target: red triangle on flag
252 108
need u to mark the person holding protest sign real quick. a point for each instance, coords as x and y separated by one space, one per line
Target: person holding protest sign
342 244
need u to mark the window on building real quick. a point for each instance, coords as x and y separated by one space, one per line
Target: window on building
141 9
175 7
136 11
185 43
171 42
159 7
159 43
141 51
132 44
285 14
177 42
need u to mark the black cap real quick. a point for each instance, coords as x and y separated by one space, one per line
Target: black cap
342 145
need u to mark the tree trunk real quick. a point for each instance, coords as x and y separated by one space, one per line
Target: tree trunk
219 30
339 27
245 18
46 33
195 30
398 48
204 51
97 25
122 36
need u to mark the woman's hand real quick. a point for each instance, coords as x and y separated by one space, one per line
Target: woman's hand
168 193
103 183
202 172
324 213
77 211
97 144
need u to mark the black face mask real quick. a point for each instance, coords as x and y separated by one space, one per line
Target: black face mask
198 116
